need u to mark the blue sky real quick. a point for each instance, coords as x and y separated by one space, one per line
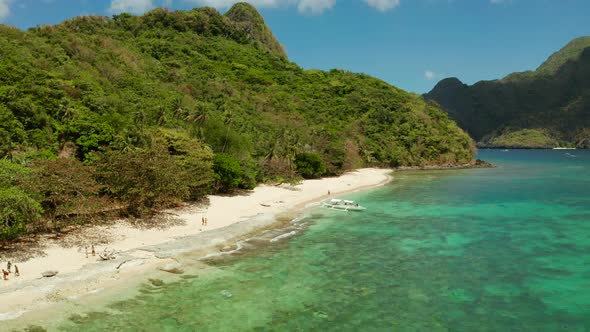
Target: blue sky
409 43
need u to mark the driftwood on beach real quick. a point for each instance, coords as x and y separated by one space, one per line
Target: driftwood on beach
49 274
107 255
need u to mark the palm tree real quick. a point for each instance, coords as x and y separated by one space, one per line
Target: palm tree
285 147
66 112
197 117
227 120
176 105
291 146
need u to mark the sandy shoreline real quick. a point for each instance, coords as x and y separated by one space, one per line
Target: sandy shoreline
141 250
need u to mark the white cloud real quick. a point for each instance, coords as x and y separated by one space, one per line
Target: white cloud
314 7
224 4
130 6
383 5
430 75
4 9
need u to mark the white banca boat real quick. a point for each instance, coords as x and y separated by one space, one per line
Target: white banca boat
344 205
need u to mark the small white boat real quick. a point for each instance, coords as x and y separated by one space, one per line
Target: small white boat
342 204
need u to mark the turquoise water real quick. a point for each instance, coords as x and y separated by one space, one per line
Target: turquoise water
504 249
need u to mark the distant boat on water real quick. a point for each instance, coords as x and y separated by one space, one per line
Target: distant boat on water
342 204
560 148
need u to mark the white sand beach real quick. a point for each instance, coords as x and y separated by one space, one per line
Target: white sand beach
140 249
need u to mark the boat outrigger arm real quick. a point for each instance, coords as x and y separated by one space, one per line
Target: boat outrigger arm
343 205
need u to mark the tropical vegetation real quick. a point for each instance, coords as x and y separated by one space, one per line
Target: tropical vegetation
126 115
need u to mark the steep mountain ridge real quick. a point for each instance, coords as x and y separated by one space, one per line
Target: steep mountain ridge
552 104
570 52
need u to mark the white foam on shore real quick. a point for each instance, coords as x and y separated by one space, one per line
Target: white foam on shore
11 315
239 246
282 236
297 222
299 219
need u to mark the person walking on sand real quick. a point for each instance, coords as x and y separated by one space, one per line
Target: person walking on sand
16 271
9 266
203 221
93 251
5 274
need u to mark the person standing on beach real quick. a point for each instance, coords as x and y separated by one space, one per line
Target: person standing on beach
5 274
93 251
8 266
86 251
203 221
16 271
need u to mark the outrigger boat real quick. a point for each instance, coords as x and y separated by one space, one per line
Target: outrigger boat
344 205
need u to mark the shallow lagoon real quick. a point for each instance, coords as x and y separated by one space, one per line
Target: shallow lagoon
504 249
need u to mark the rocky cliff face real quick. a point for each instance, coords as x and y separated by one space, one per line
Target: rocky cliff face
247 19
553 100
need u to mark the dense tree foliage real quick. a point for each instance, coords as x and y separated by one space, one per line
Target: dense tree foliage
16 210
310 165
143 178
551 104
227 172
171 106
17 206
65 188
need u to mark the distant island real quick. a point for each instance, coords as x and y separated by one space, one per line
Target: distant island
127 115
545 108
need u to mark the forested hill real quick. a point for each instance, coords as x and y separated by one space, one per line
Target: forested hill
545 108
145 111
